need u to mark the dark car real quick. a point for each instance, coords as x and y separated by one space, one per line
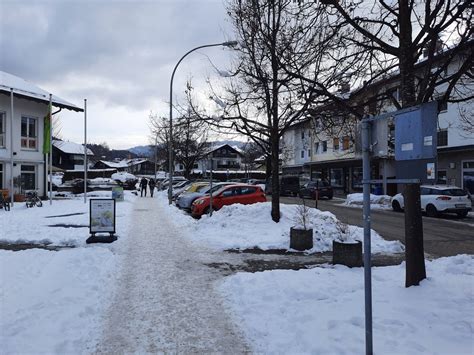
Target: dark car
319 188
289 186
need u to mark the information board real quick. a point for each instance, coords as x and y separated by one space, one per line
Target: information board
117 193
102 216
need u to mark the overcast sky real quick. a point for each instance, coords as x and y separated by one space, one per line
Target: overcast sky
117 54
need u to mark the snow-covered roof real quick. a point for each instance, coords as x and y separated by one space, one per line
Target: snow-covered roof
216 147
25 89
113 164
71 147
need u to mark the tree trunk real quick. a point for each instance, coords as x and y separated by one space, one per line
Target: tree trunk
275 177
414 254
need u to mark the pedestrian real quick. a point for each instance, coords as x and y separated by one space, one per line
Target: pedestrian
143 184
152 185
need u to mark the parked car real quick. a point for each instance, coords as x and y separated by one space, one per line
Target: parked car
185 201
164 184
289 186
436 199
321 188
245 194
181 187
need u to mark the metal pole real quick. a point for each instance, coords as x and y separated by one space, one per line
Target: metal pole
170 141
50 148
85 150
156 153
367 248
12 194
210 195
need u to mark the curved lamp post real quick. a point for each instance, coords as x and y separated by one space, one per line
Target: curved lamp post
170 140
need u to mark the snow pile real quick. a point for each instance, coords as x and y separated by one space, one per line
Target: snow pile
323 308
248 226
376 201
52 302
123 176
56 179
65 222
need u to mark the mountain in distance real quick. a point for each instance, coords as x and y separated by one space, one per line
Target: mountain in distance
147 150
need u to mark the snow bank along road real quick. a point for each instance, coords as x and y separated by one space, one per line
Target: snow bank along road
165 299
443 236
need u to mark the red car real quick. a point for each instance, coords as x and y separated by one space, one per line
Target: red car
228 195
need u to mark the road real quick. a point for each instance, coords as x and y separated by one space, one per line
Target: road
444 236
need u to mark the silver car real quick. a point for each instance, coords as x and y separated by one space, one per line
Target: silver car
185 201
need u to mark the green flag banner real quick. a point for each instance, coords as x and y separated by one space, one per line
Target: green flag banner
47 132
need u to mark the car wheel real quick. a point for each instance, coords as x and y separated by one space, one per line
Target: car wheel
396 206
431 211
462 214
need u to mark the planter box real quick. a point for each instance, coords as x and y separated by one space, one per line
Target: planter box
301 239
19 198
349 254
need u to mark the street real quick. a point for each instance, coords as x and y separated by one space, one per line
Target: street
444 236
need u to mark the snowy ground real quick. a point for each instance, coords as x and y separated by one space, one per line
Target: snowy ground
53 301
321 311
240 227
379 202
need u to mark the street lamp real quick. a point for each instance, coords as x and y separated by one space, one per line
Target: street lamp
170 141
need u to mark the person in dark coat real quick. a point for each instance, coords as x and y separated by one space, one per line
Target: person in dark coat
143 184
152 185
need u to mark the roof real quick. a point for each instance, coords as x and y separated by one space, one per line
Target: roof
112 164
214 148
29 91
71 147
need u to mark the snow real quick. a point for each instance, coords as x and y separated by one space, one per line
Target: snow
117 165
23 87
71 147
376 201
33 225
321 310
248 226
123 176
56 178
52 302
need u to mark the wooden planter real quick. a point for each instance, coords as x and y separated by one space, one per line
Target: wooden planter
301 239
19 197
349 254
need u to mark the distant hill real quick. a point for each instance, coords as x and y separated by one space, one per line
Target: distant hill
142 150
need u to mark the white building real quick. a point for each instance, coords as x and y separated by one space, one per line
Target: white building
23 107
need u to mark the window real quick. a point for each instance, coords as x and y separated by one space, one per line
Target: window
28 133
357 178
302 154
346 143
336 178
335 144
1 176
2 129
325 146
442 106
316 148
247 190
309 153
442 177
302 135
442 138
28 177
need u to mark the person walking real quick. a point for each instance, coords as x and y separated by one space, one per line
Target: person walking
143 184
152 185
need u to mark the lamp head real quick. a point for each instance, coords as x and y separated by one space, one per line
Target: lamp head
231 44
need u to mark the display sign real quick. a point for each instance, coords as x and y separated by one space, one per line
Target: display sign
430 171
117 193
102 216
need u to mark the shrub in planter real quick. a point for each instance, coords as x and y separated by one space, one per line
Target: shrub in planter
301 236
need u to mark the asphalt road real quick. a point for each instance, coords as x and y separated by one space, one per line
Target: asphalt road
444 236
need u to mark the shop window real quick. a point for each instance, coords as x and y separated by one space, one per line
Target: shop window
442 177
442 138
357 178
28 177
336 178
29 133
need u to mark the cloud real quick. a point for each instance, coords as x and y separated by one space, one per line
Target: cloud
117 54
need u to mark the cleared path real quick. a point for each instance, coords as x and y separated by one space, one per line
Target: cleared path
165 300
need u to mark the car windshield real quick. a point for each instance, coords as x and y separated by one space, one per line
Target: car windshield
204 188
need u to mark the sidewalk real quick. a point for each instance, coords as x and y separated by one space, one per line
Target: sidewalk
165 301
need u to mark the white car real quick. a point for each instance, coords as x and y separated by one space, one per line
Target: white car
437 199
